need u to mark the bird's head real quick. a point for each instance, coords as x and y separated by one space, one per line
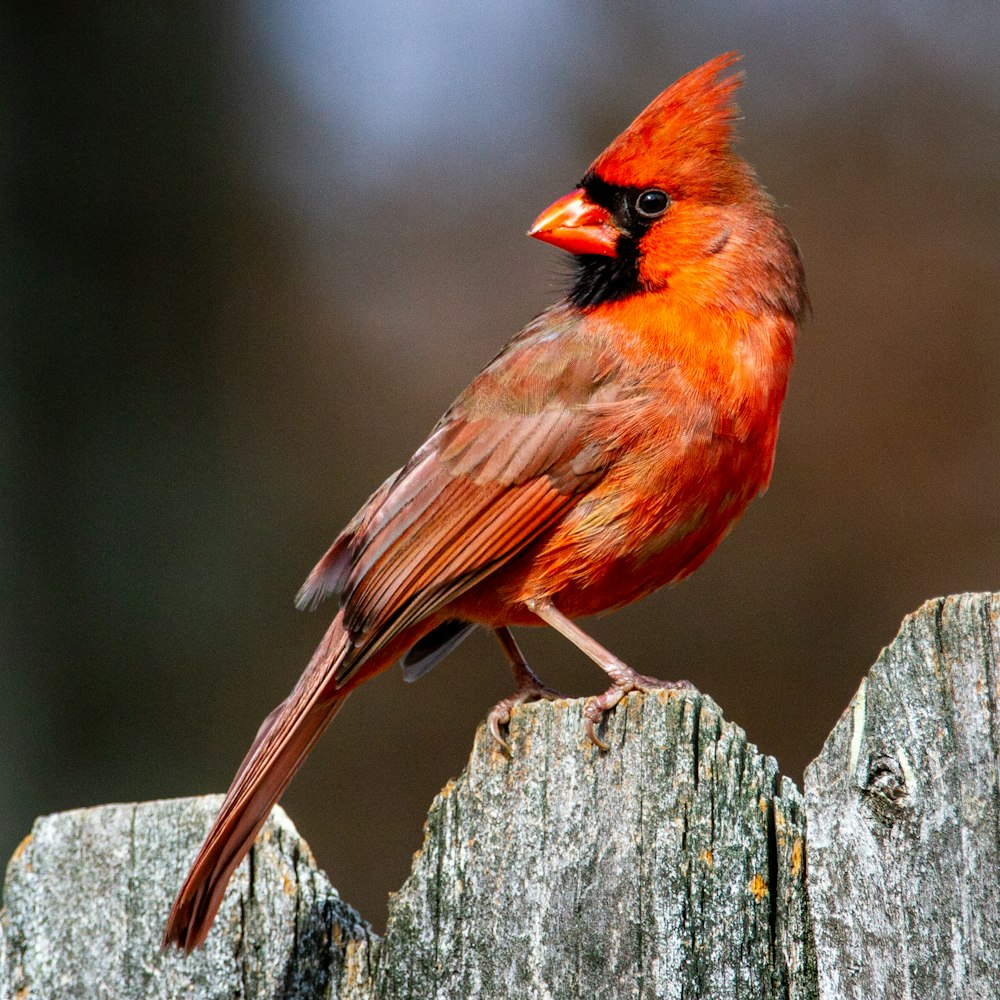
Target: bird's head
666 195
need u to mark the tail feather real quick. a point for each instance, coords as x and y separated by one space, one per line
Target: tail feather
283 741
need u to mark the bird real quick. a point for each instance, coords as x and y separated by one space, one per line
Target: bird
605 451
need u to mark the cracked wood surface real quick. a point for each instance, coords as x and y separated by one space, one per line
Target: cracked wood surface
87 894
904 817
670 866
674 866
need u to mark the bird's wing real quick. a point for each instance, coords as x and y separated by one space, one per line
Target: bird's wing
510 456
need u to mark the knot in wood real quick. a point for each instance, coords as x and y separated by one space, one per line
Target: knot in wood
886 779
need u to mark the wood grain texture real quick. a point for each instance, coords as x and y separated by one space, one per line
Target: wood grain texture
670 866
674 866
87 894
904 817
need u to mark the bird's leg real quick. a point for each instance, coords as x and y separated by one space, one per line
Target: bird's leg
624 678
529 687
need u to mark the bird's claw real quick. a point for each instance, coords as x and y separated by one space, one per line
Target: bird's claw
499 716
599 704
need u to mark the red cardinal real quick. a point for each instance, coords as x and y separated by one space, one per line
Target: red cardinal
605 452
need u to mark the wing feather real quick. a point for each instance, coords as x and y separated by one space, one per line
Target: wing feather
420 597
509 458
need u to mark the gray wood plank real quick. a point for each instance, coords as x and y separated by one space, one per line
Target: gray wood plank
87 894
676 865
904 817
669 867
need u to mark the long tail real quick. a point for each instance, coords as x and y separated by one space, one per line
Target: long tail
283 741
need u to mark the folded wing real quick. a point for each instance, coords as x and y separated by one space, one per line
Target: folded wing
511 456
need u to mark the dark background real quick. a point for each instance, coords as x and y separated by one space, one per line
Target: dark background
248 257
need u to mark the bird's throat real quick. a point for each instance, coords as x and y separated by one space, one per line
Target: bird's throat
599 279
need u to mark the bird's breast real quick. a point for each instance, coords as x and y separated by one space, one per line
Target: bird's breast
651 524
689 438
690 458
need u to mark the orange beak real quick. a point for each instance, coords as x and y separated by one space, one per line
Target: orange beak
576 224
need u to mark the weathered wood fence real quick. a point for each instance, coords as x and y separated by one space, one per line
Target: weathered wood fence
679 864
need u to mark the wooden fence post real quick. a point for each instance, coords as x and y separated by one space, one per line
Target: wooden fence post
904 817
677 865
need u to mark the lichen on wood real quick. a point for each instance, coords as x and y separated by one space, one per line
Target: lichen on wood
662 868
676 865
667 867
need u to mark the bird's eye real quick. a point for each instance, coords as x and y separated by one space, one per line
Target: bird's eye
652 203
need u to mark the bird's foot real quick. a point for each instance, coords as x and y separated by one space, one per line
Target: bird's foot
529 687
625 681
527 690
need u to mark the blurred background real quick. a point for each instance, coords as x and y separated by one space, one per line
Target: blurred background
251 252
